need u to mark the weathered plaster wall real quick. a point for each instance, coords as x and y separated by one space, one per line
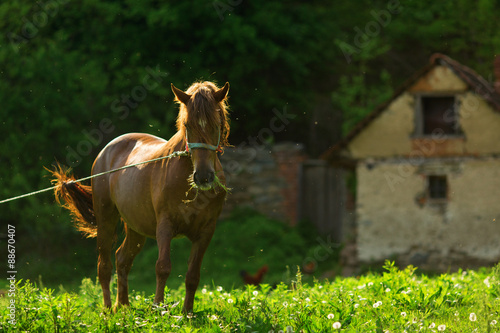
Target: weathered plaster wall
389 133
392 132
480 124
395 217
393 220
441 78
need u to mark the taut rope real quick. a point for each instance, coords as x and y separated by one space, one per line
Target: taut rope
174 154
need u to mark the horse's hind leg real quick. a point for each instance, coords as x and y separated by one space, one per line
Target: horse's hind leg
107 220
125 255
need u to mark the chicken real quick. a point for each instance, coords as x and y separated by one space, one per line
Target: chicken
309 267
255 279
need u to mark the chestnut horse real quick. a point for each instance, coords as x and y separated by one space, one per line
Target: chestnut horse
165 199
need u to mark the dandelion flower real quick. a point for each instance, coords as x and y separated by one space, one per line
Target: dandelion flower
387 290
472 317
403 314
255 292
336 325
441 328
432 325
330 316
230 300
204 291
376 305
219 288
493 322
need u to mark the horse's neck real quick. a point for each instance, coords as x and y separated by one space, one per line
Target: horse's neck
177 142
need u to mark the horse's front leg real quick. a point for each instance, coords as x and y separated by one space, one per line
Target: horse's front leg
163 264
198 249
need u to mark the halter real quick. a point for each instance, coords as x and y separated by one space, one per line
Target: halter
198 145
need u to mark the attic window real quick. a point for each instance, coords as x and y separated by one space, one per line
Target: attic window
437 187
438 115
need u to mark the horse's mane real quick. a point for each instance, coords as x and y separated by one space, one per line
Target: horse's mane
200 110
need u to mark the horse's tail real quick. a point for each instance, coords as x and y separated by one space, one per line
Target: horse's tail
78 200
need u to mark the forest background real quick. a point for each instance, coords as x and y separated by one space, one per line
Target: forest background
74 74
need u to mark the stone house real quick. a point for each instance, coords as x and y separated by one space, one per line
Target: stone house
427 166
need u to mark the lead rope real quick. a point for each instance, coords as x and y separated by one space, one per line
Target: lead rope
174 154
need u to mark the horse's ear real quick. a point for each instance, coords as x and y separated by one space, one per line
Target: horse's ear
220 94
181 95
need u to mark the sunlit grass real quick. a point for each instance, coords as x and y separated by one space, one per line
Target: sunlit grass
395 301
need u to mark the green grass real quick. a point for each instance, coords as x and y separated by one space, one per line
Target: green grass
246 240
393 301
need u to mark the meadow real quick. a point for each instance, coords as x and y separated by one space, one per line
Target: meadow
395 300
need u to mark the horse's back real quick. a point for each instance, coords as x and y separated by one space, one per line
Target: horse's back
127 148
129 189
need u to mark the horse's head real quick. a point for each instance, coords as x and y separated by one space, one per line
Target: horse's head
203 120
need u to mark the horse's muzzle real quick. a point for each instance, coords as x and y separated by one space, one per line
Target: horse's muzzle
204 180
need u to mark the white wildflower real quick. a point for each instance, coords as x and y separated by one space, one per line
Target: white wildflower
330 316
336 325
472 317
441 328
